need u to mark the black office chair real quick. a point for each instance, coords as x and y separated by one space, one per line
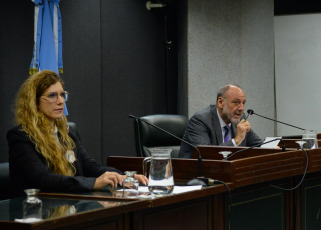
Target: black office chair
4 181
147 137
74 127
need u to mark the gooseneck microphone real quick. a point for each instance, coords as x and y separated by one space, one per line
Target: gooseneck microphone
257 145
250 112
200 179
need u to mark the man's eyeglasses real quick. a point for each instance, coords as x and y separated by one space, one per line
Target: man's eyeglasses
53 96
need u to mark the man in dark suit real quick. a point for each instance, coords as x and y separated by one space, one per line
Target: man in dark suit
221 124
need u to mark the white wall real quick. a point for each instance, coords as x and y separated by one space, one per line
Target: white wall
230 41
298 72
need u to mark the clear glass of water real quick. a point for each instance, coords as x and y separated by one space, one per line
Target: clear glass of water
32 206
130 184
310 137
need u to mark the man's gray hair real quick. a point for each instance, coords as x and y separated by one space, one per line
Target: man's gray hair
223 89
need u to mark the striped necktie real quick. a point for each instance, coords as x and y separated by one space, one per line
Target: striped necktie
227 133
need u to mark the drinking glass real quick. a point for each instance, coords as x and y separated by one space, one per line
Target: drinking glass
310 137
32 206
131 183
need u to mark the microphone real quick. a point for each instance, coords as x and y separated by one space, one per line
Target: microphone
200 180
250 112
242 150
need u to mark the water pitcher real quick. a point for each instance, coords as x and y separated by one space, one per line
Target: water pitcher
161 180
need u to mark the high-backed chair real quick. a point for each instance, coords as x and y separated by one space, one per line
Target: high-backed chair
148 137
74 127
4 180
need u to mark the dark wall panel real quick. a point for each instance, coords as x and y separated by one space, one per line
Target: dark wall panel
16 44
132 71
82 69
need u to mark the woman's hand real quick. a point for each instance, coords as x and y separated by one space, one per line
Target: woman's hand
113 179
108 178
141 178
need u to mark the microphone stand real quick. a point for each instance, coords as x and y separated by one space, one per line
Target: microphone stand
250 111
200 167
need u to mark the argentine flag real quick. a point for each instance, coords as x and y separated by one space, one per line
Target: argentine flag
47 50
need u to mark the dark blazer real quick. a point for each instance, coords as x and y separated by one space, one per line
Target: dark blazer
28 168
204 129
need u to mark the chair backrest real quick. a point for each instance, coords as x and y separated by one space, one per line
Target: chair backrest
148 137
4 180
74 127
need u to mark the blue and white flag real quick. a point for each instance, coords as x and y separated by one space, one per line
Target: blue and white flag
47 51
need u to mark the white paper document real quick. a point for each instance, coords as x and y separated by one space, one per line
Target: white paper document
176 190
272 144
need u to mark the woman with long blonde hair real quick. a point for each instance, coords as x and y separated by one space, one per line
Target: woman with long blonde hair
44 152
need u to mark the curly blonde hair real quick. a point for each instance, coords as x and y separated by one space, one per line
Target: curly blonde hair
39 127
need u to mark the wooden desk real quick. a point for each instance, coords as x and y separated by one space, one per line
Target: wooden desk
251 169
250 176
291 143
256 205
192 210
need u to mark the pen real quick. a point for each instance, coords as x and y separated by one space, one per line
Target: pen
247 116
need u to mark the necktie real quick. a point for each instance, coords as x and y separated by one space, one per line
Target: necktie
227 133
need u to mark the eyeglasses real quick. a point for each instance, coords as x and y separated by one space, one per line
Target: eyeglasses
53 96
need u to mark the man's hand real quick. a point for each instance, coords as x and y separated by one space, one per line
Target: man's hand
242 128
